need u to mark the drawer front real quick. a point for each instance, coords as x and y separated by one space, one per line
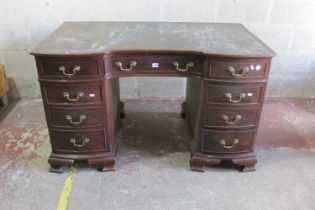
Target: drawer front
69 68
227 141
76 117
74 94
79 141
230 117
235 94
151 64
238 68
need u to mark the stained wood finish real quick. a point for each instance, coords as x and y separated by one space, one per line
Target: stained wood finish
215 116
79 141
153 63
80 117
234 141
88 68
218 71
92 93
191 108
257 68
246 161
253 94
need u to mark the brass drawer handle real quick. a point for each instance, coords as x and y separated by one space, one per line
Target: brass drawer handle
74 70
119 65
229 97
226 119
77 97
235 141
81 119
243 71
188 66
84 142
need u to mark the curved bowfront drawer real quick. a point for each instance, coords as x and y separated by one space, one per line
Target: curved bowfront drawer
238 68
78 141
75 117
72 93
230 117
235 93
227 141
69 68
159 64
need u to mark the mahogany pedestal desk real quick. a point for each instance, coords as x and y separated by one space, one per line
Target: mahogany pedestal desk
80 63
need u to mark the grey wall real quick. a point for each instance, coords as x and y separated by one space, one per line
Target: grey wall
288 26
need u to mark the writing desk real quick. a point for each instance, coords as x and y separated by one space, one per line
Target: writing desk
80 63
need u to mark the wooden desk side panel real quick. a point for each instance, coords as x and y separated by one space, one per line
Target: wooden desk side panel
112 98
193 107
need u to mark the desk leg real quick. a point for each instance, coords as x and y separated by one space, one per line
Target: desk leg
104 164
57 165
246 161
247 164
183 111
121 109
198 163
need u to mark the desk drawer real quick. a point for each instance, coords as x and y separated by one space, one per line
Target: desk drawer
72 93
238 68
69 68
79 141
227 141
230 117
150 64
76 117
235 94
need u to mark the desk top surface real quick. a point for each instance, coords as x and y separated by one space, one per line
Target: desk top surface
102 37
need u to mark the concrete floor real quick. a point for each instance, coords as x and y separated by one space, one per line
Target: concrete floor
152 169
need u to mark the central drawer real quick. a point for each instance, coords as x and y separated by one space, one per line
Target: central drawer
73 93
79 141
174 64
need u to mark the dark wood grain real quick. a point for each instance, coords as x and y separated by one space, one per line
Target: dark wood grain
213 117
211 141
94 117
92 93
258 68
253 93
49 67
146 60
62 141
208 81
